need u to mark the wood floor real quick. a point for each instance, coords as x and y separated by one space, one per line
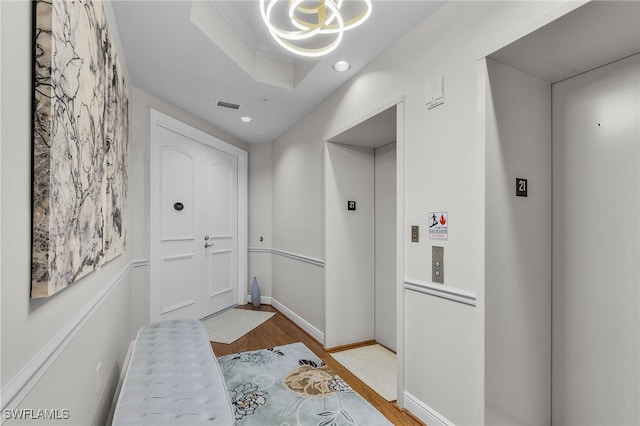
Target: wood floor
279 330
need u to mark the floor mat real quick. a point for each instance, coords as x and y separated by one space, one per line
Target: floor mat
229 326
374 365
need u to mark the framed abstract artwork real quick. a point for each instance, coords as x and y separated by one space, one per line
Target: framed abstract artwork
80 142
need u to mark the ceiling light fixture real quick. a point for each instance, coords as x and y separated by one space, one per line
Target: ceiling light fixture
321 20
342 66
246 119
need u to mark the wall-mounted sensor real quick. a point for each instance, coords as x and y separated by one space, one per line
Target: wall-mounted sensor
435 93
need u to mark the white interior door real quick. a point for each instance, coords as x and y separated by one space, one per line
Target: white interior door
218 224
195 232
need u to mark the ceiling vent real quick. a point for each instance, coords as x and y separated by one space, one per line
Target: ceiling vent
228 105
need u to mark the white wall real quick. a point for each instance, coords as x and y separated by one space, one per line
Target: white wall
385 246
143 101
350 245
298 224
596 222
518 249
51 347
260 217
444 170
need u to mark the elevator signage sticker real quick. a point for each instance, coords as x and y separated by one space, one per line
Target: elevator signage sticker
438 225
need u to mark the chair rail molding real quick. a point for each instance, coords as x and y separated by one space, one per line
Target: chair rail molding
26 379
439 290
300 257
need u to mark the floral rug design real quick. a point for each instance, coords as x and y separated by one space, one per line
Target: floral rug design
289 385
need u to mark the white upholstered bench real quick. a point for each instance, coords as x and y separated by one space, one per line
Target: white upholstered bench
173 378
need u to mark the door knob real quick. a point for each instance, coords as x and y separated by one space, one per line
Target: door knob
207 245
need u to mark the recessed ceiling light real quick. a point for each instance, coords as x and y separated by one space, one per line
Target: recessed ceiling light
342 66
246 119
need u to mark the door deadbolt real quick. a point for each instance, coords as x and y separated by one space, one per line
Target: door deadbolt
178 206
206 242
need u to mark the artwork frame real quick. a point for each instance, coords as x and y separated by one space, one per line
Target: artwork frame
79 145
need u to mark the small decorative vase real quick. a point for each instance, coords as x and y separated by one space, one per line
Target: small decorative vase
255 293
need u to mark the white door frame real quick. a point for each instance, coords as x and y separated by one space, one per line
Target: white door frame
158 119
399 102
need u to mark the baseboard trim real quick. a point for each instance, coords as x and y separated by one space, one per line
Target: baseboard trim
288 254
351 346
264 300
423 412
26 379
449 293
298 320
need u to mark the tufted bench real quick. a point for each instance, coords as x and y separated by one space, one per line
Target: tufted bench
173 378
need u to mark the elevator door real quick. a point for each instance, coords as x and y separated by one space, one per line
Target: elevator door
596 133
385 246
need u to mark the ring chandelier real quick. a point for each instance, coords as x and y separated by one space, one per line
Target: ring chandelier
309 19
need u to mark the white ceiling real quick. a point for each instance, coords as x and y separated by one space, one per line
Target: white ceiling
192 54
375 132
577 42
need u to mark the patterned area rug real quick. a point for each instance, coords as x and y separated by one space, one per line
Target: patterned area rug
289 385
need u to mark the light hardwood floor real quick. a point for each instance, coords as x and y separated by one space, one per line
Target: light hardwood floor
279 330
